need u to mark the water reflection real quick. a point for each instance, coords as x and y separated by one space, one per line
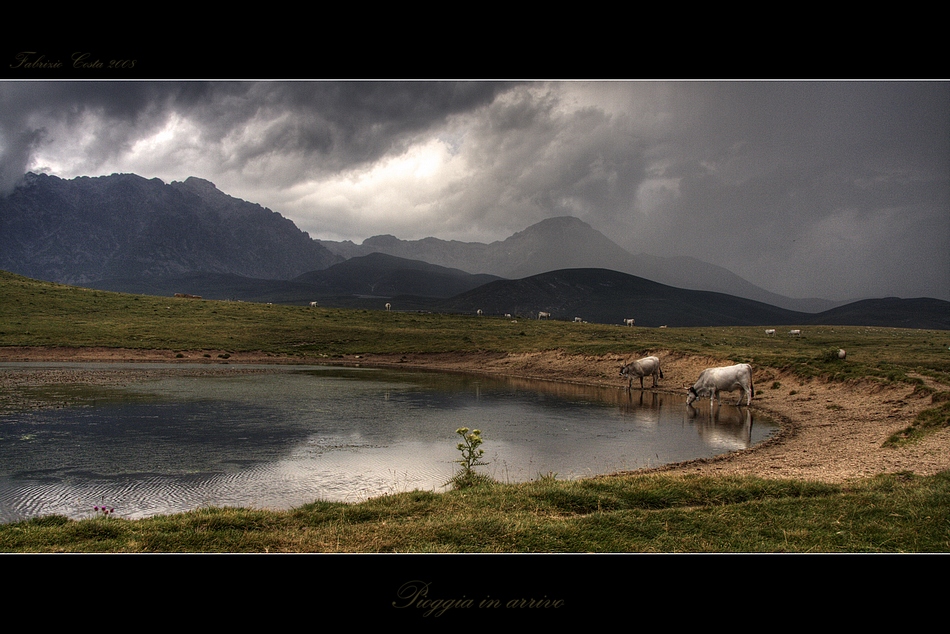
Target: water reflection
645 406
725 426
173 439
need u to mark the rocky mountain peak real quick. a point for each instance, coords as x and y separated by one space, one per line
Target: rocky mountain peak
126 226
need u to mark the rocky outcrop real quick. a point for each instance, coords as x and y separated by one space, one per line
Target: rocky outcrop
125 226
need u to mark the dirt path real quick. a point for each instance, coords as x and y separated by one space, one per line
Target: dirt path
832 432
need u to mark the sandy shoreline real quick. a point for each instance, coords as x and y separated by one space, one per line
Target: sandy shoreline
832 432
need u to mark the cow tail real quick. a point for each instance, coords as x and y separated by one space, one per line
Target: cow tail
661 372
751 385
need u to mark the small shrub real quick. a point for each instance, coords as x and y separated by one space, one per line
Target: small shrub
471 457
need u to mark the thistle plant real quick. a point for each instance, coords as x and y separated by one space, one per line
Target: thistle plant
102 509
471 450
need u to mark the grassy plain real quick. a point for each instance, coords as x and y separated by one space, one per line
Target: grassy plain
35 313
636 513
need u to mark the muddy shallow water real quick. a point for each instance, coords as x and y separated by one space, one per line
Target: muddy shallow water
168 438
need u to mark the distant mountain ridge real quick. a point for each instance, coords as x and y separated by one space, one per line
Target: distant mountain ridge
564 243
610 297
364 281
593 295
382 275
127 233
606 296
125 226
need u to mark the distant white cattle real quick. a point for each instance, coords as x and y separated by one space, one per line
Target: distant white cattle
647 366
794 333
713 381
629 322
479 312
578 320
313 304
841 353
389 306
770 331
543 315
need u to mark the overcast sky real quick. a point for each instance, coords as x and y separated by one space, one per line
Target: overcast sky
839 190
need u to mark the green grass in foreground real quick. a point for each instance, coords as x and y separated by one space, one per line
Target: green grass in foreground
646 513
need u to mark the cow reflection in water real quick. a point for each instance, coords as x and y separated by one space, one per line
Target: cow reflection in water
724 426
643 406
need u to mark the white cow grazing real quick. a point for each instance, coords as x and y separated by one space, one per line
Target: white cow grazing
769 332
544 315
794 333
647 366
578 320
389 306
629 322
713 381
479 312
313 304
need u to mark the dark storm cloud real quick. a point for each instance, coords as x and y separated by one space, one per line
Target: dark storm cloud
339 123
333 124
126 111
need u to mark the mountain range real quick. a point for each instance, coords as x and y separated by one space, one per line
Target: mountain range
565 243
127 233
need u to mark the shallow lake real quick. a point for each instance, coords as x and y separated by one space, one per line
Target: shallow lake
173 438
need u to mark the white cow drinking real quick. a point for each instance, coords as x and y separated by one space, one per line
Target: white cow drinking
714 381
